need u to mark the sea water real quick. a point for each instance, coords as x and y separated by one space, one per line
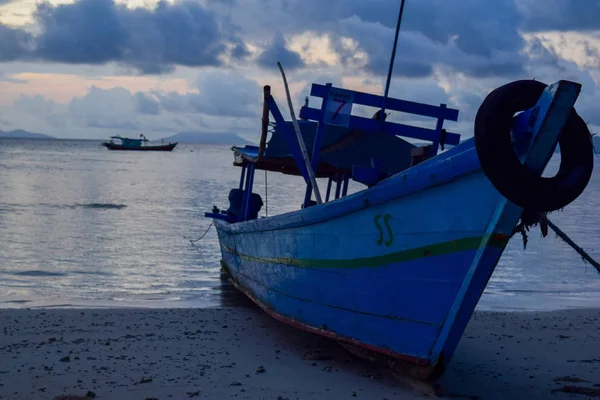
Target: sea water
84 226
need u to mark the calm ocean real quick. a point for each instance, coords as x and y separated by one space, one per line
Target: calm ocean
84 226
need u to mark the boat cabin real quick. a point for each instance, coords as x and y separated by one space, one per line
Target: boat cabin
128 142
342 146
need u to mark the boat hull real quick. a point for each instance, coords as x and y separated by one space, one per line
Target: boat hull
391 270
167 147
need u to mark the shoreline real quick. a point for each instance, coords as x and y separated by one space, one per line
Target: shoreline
228 297
224 294
240 352
506 310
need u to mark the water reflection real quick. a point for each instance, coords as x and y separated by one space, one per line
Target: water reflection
229 296
83 226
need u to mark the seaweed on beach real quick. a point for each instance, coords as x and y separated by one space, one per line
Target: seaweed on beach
89 395
572 379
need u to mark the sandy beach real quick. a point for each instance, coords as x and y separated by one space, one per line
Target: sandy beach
242 353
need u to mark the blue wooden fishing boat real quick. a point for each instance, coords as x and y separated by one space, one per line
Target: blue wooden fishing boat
394 271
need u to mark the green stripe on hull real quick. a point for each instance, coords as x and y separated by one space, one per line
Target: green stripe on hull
439 249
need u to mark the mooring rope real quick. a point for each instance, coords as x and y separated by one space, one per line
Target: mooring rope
571 243
192 241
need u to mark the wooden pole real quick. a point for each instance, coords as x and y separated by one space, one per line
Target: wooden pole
309 169
265 121
389 76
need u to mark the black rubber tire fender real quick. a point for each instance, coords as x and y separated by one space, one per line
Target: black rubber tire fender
501 165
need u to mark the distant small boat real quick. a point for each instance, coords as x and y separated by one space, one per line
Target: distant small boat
136 144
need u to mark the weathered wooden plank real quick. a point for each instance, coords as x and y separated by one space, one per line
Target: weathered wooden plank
406 106
371 125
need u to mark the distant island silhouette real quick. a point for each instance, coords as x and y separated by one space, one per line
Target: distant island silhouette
21 134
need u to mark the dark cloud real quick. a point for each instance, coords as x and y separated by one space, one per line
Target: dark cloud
15 44
181 33
474 37
278 51
88 31
542 54
146 104
560 15
479 26
223 94
239 50
100 31
417 55
479 38
373 39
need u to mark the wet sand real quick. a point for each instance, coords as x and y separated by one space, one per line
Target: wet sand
242 353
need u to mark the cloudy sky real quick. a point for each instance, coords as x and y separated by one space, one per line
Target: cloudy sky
91 68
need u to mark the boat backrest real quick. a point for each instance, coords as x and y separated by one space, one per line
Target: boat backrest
336 109
343 148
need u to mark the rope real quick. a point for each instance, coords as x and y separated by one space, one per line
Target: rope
579 250
192 241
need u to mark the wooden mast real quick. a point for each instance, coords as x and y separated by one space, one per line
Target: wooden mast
391 68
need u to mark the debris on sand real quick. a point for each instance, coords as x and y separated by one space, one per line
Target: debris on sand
592 392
